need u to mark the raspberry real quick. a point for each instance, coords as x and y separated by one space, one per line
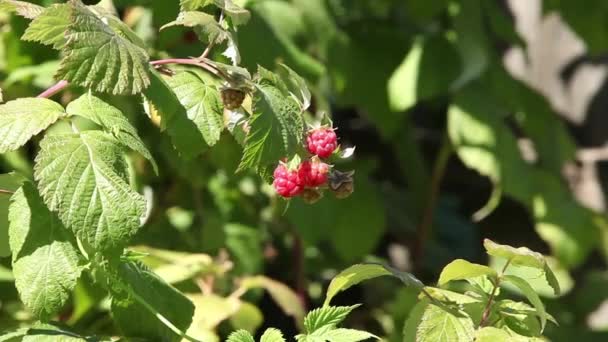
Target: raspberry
313 173
322 142
311 196
342 183
232 98
286 182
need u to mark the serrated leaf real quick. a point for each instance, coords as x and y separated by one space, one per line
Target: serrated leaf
50 26
437 325
191 5
83 177
346 335
326 316
23 118
492 334
532 296
240 336
48 332
361 272
23 8
197 92
522 256
185 135
297 86
207 28
134 319
99 58
9 182
447 296
112 120
238 14
461 269
45 259
283 296
276 125
272 335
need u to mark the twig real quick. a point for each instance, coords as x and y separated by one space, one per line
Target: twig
426 223
487 310
6 192
59 86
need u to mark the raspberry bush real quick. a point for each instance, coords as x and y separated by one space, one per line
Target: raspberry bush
76 219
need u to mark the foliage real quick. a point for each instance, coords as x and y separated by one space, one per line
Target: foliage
136 199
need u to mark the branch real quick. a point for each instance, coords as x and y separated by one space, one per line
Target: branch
426 223
59 86
6 192
487 310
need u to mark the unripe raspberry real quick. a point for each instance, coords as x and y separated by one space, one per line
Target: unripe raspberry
322 142
311 196
313 173
232 98
342 183
287 182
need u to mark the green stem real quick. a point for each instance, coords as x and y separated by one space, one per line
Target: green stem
487 310
425 227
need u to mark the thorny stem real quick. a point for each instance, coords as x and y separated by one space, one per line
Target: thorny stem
59 86
424 230
199 62
487 310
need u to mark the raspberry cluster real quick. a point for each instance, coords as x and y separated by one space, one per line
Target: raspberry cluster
310 176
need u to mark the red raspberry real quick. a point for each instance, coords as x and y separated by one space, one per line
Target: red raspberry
322 142
287 182
313 173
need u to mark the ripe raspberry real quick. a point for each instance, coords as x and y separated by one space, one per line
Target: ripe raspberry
232 98
322 142
313 173
286 182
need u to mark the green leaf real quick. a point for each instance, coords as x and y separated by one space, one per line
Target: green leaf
191 5
461 269
112 120
9 182
185 135
276 124
238 14
361 272
518 256
135 319
283 296
471 41
240 336
209 311
207 28
50 26
538 279
248 317
532 296
492 334
413 320
426 72
23 118
48 332
197 92
326 316
438 325
345 335
25 9
84 178
448 297
272 335
99 58
297 86
45 260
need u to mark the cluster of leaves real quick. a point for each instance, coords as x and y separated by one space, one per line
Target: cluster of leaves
81 210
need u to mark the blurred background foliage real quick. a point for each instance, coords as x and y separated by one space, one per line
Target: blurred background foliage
472 119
